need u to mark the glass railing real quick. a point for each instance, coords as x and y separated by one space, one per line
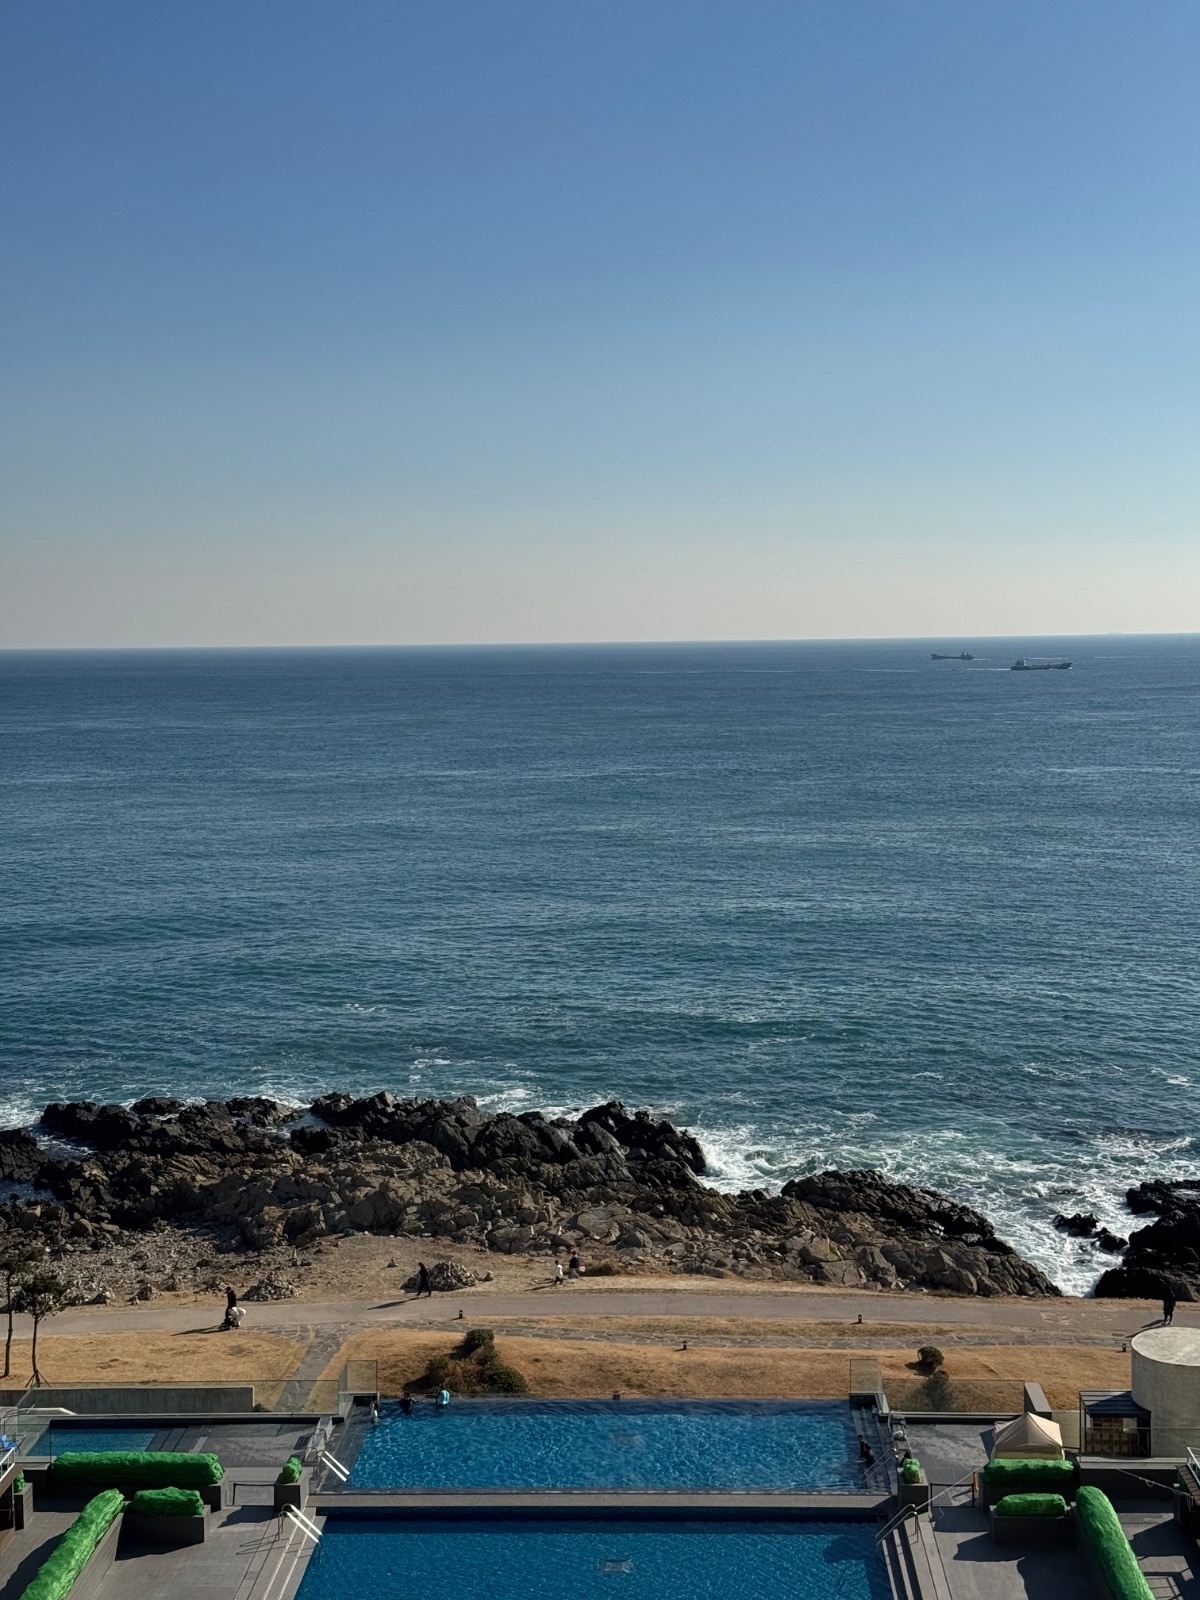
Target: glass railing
987 1397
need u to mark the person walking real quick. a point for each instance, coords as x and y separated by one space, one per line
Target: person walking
1168 1306
423 1284
558 1274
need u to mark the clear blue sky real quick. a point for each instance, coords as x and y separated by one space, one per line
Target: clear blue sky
386 322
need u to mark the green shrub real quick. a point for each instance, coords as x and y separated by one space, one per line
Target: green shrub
910 1470
472 1367
1022 1475
69 1556
19 1483
157 1469
936 1393
930 1358
476 1339
1104 1536
1031 1505
167 1503
290 1471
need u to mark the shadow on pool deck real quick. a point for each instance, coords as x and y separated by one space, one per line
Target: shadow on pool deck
977 1569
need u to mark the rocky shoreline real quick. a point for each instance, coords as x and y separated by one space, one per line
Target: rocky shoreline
160 1195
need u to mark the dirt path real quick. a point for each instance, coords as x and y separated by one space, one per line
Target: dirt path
1049 1321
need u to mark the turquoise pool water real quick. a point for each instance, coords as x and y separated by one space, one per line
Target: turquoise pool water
58 1438
587 1560
604 1444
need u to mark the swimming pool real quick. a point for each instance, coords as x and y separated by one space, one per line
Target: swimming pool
606 1560
607 1444
59 1437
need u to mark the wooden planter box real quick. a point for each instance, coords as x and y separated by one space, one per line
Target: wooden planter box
291 1494
1033 1531
914 1494
82 1492
165 1530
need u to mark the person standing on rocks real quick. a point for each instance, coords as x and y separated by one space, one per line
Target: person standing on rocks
423 1284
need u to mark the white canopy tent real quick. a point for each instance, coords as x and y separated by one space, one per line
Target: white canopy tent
1028 1436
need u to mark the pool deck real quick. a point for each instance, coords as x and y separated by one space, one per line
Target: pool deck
248 1554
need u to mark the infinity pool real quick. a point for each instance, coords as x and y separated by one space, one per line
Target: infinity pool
504 1560
606 1444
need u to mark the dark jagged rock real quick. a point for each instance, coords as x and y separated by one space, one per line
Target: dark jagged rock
103 1127
1080 1225
618 1184
1166 1254
20 1156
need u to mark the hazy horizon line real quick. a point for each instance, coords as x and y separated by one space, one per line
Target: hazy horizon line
962 640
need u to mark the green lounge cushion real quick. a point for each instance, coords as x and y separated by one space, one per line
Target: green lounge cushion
1031 1505
157 1469
67 1560
1101 1530
1028 1475
167 1503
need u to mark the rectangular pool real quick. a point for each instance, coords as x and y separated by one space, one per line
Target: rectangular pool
607 1444
59 1437
605 1560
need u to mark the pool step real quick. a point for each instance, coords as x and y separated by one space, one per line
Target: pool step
912 1562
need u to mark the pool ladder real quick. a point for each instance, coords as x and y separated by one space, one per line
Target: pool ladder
340 1472
306 1525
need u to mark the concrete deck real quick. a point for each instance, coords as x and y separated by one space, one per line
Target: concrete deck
248 1553
1167 1557
977 1569
593 1503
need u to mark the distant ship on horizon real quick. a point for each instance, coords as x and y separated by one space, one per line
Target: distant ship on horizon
963 655
1021 665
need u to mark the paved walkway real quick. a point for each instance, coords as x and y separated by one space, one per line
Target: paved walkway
1050 1321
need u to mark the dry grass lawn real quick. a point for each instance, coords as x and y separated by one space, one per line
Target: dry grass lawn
594 1367
726 1357
158 1358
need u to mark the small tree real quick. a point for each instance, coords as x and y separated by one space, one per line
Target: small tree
40 1293
930 1358
15 1260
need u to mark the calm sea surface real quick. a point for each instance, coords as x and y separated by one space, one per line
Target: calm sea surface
825 903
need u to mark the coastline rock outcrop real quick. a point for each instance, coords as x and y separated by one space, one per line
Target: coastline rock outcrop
1166 1254
624 1188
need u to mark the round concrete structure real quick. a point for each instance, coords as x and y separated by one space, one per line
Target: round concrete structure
1166 1380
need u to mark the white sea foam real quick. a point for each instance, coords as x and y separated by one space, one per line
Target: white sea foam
1020 1193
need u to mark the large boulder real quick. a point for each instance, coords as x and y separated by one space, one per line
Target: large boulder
1166 1254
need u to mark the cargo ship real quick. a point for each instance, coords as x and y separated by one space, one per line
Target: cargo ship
1021 665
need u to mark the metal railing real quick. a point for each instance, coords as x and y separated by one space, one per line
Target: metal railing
331 1462
894 1521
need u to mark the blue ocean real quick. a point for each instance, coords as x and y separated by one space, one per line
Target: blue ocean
826 904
